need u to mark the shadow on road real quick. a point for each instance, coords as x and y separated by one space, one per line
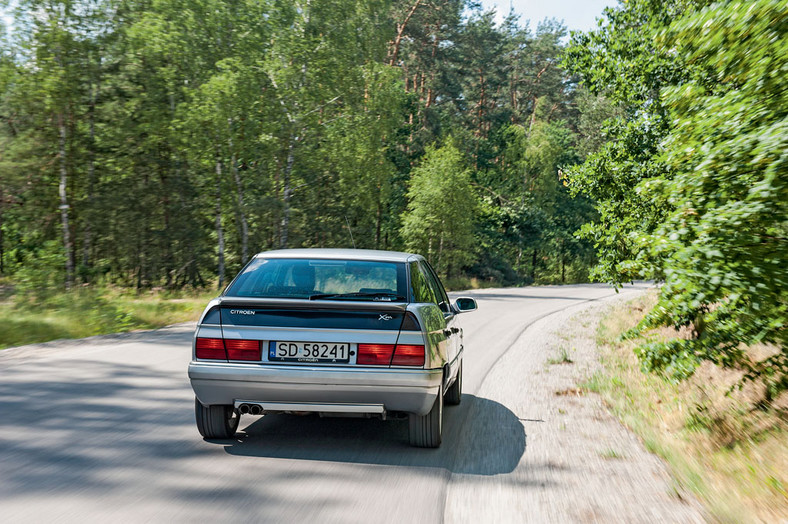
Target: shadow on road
75 427
481 437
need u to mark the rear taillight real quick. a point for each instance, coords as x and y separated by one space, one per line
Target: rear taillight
408 355
214 349
381 355
210 348
374 354
243 349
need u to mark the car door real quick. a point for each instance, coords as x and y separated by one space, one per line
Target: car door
451 326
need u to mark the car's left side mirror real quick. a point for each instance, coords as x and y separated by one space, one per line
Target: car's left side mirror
463 304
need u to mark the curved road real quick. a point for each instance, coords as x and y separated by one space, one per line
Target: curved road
102 429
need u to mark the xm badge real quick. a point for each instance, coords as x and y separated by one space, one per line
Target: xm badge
385 317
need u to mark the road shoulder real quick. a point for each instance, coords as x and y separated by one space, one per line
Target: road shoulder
580 464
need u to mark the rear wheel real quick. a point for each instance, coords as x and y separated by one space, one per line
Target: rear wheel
216 421
425 431
454 393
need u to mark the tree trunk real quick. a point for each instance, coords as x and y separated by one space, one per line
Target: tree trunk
563 269
482 101
87 243
378 220
2 250
241 214
219 230
287 193
401 32
139 264
440 246
243 223
168 256
533 267
533 114
67 244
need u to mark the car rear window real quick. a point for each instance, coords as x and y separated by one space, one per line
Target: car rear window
325 279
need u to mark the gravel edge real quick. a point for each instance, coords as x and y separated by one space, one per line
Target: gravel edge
579 463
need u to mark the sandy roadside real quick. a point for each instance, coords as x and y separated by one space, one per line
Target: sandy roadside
580 464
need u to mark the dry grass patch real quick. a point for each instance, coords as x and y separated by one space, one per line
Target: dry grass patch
720 443
571 392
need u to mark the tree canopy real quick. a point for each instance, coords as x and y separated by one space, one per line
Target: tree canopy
691 186
163 143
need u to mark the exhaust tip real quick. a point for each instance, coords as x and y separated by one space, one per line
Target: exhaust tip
255 409
243 409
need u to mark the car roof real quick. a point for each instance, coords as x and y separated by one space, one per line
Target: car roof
341 254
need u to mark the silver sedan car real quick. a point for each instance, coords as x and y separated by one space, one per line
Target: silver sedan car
331 332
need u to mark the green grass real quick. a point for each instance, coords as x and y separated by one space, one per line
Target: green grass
611 454
562 358
87 312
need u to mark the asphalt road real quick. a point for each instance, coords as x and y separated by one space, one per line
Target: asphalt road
103 429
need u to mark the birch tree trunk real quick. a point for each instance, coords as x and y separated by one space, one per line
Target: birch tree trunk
219 230
287 193
64 206
243 224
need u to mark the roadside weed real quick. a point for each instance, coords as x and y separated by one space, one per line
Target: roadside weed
562 358
610 454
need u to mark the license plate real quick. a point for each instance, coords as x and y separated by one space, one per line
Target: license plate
309 351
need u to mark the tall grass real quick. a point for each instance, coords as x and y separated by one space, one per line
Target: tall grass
28 318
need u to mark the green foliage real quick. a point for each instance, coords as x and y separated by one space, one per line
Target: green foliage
692 187
441 210
187 136
40 273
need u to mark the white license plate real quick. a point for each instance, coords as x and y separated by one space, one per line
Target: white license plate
309 351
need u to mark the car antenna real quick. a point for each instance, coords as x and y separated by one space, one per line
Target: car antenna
350 231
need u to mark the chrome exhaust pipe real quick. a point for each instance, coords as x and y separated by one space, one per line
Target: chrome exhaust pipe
243 409
255 409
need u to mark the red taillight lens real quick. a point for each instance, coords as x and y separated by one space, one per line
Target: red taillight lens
374 354
243 349
408 355
210 348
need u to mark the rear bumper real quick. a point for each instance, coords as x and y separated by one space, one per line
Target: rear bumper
407 390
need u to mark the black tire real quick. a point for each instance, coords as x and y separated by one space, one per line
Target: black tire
454 393
425 431
216 421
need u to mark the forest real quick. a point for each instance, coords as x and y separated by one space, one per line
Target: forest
159 144
163 143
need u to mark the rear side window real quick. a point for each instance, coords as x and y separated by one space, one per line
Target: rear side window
304 278
437 289
422 291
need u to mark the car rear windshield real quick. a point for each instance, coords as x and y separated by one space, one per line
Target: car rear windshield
321 279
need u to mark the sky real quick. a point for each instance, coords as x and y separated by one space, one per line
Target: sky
578 15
